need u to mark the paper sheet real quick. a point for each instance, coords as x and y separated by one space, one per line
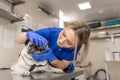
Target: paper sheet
1 33
8 37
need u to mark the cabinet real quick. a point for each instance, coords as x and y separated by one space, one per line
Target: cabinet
12 17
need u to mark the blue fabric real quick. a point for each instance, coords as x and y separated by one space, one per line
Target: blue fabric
48 55
51 34
69 69
36 39
73 79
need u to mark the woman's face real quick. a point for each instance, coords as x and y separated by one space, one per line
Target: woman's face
66 38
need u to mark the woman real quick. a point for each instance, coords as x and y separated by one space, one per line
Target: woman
64 44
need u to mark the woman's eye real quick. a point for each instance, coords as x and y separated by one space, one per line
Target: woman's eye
69 43
64 34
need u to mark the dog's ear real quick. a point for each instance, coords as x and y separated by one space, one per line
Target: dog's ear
27 41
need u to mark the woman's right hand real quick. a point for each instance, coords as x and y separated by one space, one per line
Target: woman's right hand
36 39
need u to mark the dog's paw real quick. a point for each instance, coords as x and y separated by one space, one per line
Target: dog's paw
21 72
56 70
25 73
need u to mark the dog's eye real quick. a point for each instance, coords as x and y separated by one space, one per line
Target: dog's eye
33 45
30 45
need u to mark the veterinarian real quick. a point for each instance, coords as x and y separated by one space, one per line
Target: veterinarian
64 44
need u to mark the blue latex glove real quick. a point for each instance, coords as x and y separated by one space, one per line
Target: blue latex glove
36 39
48 55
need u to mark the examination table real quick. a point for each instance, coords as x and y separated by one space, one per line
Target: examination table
7 75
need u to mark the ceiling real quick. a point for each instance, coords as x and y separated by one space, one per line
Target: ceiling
101 9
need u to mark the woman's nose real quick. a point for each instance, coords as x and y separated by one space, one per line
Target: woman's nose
62 40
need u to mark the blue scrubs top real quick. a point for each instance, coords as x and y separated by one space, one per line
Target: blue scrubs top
51 34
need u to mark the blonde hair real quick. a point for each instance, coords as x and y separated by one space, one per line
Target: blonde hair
83 32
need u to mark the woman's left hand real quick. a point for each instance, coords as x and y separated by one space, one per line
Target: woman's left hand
48 55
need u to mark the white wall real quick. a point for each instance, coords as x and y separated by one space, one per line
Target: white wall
98 47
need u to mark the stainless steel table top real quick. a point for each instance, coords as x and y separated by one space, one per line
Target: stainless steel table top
7 75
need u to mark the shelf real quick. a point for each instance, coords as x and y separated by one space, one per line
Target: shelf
10 16
16 2
105 37
106 27
114 62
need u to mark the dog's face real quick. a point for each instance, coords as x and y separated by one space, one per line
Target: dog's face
32 48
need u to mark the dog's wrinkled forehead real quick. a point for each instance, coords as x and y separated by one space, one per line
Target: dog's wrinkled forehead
29 44
32 48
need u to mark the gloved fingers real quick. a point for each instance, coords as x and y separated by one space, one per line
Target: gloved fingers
45 41
48 49
37 42
36 57
28 34
36 39
31 40
40 57
42 43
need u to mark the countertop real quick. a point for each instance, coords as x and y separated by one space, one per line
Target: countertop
7 75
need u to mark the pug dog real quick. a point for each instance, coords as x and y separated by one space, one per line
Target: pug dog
26 65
